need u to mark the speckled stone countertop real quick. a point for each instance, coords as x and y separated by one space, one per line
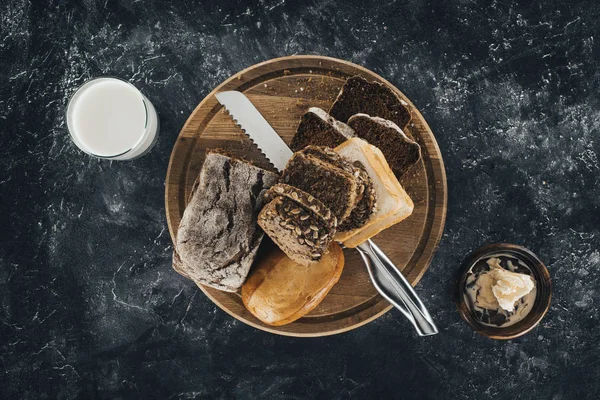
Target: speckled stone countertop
89 304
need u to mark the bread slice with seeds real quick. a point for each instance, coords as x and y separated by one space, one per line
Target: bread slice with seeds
365 206
373 98
299 224
366 197
306 199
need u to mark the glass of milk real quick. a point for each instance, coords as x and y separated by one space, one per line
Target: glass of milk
110 118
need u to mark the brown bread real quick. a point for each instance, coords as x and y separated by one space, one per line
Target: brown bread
299 224
334 186
318 128
376 99
400 152
366 196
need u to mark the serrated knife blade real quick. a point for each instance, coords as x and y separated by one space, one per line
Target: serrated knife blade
256 127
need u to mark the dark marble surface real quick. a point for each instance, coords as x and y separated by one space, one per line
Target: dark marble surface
89 304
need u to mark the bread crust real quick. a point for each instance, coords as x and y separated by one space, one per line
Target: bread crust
279 291
392 189
316 127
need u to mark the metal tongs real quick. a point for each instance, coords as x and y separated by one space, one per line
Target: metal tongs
394 287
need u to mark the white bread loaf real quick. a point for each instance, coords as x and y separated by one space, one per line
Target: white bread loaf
393 203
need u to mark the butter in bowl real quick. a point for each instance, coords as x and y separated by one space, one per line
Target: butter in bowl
503 291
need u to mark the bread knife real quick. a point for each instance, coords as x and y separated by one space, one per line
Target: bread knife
386 278
244 114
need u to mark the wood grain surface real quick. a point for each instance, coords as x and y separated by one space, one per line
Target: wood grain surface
282 90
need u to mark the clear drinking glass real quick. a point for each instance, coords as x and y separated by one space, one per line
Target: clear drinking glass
110 118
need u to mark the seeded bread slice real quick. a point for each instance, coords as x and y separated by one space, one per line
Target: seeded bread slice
318 128
328 155
376 99
334 186
400 152
316 206
297 223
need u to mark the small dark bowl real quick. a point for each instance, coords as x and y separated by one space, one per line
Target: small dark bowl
542 299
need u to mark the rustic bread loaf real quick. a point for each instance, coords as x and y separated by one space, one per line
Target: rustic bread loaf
218 235
318 128
279 290
376 99
299 224
400 152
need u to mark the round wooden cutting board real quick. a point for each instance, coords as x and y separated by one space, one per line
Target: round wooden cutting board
283 89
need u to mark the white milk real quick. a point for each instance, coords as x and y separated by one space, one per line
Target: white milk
110 118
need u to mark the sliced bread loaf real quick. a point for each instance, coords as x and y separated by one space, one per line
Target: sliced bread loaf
318 128
315 205
366 197
400 152
376 99
393 203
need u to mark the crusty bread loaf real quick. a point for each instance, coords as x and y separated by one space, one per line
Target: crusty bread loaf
393 203
218 235
318 128
279 291
400 152
299 224
376 99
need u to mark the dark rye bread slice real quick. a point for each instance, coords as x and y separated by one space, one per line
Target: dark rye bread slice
318 128
218 235
366 197
299 224
400 152
376 99
335 187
